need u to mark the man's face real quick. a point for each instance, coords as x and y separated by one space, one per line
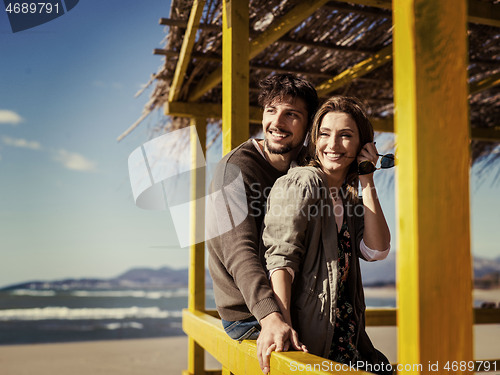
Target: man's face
284 124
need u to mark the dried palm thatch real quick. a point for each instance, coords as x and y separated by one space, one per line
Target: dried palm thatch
334 38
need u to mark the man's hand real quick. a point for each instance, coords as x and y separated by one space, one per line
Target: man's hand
276 335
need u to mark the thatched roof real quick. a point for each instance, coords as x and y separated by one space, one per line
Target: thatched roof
334 38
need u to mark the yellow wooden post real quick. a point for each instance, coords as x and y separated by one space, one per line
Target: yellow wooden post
276 30
431 122
186 49
235 70
196 299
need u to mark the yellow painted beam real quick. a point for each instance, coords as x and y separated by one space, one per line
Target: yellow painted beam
196 298
196 358
206 84
432 129
487 135
280 27
183 109
206 110
478 11
275 31
484 83
214 110
241 358
484 13
360 69
186 49
380 317
487 316
387 316
235 61
385 125
384 4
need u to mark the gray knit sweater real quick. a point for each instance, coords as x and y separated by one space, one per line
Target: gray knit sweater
235 213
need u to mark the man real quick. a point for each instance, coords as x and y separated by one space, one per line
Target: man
239 190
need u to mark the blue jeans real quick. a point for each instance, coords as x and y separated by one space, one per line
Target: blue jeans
248 329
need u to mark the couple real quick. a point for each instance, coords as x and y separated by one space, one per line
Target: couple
289 269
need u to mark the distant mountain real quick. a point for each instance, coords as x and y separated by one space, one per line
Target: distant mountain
384 272
484 266
373 273
136 278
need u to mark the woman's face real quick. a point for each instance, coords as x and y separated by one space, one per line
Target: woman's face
338 142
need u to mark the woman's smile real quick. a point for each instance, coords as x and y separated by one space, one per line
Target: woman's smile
338 142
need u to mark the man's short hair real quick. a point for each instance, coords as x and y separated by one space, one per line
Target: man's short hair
279 86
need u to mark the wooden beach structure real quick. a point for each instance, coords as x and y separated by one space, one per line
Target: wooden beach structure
429 70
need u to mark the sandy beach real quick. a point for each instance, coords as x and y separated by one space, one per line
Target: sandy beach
166 355
119 357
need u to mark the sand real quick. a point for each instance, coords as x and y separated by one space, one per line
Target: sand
120 357
166 355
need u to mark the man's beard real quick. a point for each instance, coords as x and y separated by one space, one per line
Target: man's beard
284 149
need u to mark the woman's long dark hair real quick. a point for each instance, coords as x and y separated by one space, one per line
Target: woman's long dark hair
355 109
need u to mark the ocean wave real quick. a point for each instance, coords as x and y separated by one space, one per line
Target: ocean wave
65 313
114 326
131 293
33 293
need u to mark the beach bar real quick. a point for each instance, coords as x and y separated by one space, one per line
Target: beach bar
428 71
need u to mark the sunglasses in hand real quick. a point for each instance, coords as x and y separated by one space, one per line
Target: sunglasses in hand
367 166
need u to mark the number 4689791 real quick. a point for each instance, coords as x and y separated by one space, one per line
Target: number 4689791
32 8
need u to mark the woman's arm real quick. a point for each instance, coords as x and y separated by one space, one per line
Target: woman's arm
281 282
376 233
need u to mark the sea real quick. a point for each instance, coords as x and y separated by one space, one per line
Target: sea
43 316
49 316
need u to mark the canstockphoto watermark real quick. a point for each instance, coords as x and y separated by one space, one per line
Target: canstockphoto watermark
310 202
330 366
161 174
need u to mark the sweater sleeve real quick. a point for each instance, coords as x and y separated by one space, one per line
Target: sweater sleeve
236 217
286 224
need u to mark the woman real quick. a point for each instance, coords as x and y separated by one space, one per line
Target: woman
316 228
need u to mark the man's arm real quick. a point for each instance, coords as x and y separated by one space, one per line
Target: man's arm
236 214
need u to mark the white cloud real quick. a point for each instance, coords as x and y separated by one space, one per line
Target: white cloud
9 117
22 143
74 161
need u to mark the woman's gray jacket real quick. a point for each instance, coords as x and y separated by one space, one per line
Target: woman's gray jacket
300 233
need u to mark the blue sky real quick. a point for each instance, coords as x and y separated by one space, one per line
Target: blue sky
66 92
66 206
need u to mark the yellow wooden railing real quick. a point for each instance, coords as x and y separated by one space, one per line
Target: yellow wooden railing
241 358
